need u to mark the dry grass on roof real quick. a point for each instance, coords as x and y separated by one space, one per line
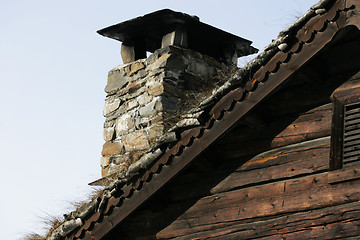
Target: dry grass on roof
51 222
34 236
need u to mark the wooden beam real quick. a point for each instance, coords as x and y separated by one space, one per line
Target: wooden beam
296 195
338 221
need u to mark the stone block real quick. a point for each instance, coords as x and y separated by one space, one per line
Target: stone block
230 54
135 87
137 93
104 171
128 87
212 61
157 118
173 91
111 106
174 75
141 123
116 81
112 148
151 108
175 38
170 104
124 123
168 39
121 110
143 99
200 68
152 80
109 134
114 168
158 103
132 104
127 53
157 89
135 67
155 131
156 72
140 74
104 161
121 159
175 62
109 123
126 68
136 141
159 63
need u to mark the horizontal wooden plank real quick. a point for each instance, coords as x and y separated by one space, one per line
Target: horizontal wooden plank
294 160
352 116
352 153
278 124
354 142
350 172
351 122
352 127
326 223
263 201
352 112
243 141
351 148
300 93
352 83
278 155
351 159
330 231
354 132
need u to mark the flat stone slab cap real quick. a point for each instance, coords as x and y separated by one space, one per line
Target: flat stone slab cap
150 29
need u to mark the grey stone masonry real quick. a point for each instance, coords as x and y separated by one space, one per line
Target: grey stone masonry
148 97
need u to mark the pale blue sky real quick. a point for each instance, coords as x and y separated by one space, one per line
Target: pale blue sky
53 70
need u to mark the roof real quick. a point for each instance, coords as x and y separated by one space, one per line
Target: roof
152 27
239 95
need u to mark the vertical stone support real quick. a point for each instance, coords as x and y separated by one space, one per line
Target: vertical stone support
127 53
176 38
133 51
146 97
230 55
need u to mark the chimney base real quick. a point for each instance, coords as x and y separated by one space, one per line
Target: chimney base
149 96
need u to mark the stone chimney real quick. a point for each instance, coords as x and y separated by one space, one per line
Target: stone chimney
146 97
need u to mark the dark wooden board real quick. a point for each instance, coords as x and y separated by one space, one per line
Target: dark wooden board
327 223
243 141
280 163
259 202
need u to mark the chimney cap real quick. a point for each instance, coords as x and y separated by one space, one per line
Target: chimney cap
149 30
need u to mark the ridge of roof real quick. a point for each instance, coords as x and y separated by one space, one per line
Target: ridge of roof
173 143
